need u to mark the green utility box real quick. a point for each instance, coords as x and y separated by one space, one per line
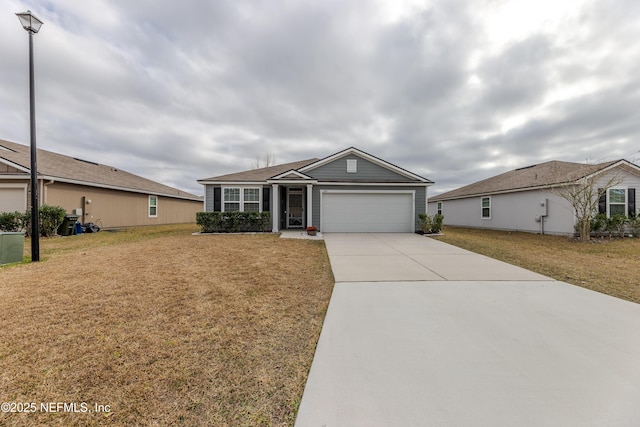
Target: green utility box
11 247
68 226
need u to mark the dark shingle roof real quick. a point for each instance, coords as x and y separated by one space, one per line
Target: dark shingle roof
53 165
546 174
261 174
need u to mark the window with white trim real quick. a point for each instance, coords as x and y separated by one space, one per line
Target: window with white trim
153 206
486 208
617 201
231 200
251 199
439 208
236 199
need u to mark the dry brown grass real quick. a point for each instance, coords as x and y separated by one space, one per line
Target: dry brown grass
164 327
607 266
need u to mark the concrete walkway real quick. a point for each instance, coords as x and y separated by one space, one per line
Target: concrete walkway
420 333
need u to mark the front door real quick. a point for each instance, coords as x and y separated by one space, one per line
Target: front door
294 208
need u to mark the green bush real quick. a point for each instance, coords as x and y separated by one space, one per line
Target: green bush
615 225
233 222
431 224
634 224
11 221
50 217
598 223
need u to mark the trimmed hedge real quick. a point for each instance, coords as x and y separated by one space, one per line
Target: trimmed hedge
233 222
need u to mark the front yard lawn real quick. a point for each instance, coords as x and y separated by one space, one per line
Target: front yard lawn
163 328
608 266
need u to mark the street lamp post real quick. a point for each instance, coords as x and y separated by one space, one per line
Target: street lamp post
32 25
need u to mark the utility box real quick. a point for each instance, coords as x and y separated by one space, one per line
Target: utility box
11 247
67 228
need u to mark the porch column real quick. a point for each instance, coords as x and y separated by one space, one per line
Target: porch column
310 205
275 209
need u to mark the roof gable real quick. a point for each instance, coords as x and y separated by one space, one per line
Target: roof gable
375 169
257 175
83 172
292 175
549 174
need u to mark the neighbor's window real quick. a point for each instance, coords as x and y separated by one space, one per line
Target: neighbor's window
617 201
153 206
439 208
241 199
486 207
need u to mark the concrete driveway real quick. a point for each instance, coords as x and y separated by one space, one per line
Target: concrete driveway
420 333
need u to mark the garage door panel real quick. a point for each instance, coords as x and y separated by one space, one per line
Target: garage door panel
13 199
367 212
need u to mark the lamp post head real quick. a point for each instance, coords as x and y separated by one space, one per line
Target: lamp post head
29 21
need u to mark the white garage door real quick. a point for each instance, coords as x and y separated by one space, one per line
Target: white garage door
13 199
367 212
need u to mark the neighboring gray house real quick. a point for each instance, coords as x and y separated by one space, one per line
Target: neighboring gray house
350 191
526 199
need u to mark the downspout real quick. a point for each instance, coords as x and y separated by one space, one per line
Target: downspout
43 200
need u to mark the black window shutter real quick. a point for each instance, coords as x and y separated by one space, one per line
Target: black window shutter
266 207
631 202
602 203
217 199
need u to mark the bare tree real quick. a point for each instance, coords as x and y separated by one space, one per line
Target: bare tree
584 197
264 160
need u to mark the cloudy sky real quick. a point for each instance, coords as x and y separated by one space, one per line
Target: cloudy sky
453 90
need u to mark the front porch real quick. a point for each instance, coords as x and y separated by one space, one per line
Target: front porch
292 206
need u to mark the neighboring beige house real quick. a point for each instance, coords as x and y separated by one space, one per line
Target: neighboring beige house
527 199
105 195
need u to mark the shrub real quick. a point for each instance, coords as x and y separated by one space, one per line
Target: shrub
615 225
431 224
598 223
50 218
233 222
634 224
11 221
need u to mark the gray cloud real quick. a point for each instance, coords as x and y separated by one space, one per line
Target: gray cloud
177 91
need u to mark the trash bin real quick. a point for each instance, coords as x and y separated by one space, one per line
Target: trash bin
68 225
11 247
78 227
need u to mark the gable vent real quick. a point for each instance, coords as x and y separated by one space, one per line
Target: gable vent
352 165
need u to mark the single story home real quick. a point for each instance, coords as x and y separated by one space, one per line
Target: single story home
105 195
349 191
527 199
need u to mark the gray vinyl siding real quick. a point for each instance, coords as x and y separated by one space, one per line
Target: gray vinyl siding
513 211
518 211
367 172
420 197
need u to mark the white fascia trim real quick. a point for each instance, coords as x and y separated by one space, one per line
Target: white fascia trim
229 183
613 166
15 165
2 177
369 184
369 191
373 159
292 181
289 172
113 187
